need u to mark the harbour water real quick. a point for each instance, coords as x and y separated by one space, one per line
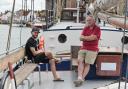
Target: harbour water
19 36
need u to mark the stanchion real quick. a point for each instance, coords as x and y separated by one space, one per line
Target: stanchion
11 73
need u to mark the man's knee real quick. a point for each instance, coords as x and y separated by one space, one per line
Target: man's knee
52 61
79 62
86 64
48 54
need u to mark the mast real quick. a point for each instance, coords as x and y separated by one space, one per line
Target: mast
22 12
54 10
25 10
78 11
31 12
59 9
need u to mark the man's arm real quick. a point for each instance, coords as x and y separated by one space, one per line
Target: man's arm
88 38
34 52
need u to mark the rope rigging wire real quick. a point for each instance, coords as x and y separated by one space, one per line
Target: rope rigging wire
122 56
9 34
21 24
10 29
126 75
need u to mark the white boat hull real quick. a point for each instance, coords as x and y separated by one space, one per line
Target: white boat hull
110 37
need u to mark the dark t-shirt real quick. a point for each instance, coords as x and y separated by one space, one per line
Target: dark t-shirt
30 43
39 58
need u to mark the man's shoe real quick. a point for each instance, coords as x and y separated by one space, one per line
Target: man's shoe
78 82
58 80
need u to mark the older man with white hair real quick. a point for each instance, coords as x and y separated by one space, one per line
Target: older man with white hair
90 37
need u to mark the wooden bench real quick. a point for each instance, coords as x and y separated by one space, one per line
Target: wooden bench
23 71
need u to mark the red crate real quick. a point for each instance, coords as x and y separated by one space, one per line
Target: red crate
108 65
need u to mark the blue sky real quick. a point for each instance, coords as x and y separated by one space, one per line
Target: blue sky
7 4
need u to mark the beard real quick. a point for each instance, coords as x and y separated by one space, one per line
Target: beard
35 36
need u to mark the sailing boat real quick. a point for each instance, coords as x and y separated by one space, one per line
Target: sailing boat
60 37
63 30
66 34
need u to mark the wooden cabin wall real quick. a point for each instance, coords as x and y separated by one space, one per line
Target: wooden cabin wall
49 4
71 4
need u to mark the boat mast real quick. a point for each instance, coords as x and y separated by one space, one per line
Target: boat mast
59 10
54 10
25 10
78 11
33 11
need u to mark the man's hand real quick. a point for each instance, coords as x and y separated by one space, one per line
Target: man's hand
34 52
82 38
88 38
40 51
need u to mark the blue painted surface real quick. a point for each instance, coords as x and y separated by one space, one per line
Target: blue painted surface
62 66
66 65
124 66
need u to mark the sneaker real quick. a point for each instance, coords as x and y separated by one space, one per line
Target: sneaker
78 82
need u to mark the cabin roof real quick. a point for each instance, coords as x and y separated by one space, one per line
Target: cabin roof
64 25
72 25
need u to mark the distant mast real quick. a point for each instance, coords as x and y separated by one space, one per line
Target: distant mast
78 11
32 11
59 10
25 8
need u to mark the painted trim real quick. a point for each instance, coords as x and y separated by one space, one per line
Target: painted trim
81 29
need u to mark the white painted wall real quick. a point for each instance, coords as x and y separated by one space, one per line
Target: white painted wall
108 38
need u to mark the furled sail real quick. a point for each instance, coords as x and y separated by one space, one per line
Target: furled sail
102 5
99 9
114 20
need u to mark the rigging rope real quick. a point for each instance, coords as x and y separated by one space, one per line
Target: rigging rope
10 29
122 56
126 75
21 23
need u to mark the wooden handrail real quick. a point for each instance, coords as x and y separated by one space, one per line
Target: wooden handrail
12 58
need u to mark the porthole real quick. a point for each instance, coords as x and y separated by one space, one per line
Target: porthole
62 38
125 38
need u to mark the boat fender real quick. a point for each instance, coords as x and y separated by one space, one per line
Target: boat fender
41 42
